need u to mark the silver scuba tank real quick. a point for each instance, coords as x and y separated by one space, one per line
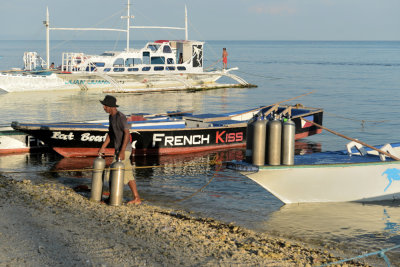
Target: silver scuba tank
117 183
274 141
288 142
259 139
97 178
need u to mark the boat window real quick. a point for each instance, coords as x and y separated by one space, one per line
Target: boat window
119 69
133 69
99 64
119 62
170 68
146 68
158 68
181 68
167 49
153 47
107 69
92 68
157 60
130 62
108 54
146 57
170 61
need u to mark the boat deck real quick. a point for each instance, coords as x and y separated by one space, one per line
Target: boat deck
342 156
337 157
321 158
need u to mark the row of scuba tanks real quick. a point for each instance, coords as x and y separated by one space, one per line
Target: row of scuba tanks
270 141
116 181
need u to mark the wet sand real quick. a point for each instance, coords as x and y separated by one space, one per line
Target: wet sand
53 225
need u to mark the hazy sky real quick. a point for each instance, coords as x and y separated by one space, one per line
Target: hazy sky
209 19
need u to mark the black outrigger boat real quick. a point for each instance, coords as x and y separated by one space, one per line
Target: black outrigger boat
172 133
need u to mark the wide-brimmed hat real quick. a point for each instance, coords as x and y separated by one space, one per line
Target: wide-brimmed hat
109 101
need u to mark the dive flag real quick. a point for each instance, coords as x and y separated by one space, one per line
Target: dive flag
305 124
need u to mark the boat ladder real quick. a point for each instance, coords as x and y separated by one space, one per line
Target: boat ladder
236 78
108 78
187 85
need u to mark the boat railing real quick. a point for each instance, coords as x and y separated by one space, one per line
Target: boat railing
32 61
72 62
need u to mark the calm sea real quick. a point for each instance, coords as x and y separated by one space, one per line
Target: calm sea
356 83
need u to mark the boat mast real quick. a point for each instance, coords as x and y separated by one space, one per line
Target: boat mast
128 27
128 24
47 24
163 27
186 25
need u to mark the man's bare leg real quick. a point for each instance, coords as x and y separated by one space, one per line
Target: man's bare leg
136 198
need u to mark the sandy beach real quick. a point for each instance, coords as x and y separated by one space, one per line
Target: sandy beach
53 225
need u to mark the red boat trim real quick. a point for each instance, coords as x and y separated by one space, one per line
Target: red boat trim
308 133
70 152
14 150
183 150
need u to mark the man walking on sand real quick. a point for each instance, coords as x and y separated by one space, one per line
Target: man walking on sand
119 136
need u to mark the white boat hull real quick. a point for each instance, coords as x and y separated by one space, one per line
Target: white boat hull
331 182
22 83
59 81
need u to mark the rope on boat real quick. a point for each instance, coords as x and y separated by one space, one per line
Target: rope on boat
259 75
211 162
215 162
380 253
353 119
213 65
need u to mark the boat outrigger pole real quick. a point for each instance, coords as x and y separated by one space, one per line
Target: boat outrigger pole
127 30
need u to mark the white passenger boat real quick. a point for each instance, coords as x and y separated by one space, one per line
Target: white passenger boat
159 65
331 176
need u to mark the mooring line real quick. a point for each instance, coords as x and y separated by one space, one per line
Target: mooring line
259 75
380 253
353 119
204 186
214 161
211 162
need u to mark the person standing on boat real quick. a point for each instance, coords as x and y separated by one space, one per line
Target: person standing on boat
224 58
119 136
180 58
